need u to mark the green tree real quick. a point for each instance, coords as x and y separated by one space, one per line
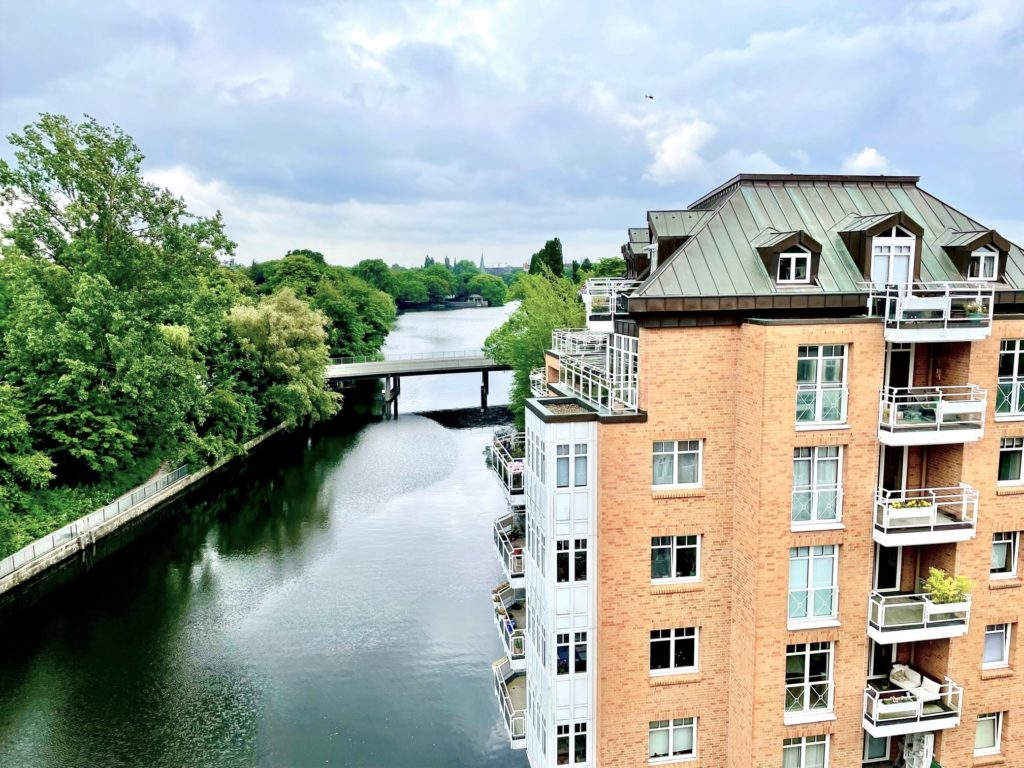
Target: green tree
490 287
550 256
610 266
376 273
21 466
547 302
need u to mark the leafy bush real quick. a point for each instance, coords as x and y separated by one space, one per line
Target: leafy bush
943 588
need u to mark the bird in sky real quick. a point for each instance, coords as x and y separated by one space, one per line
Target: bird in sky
648 96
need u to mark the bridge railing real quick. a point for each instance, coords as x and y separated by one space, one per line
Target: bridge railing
380 357
72 530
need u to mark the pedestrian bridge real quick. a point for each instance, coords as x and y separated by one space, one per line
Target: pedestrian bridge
392 367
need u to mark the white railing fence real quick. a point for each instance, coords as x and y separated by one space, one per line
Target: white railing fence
926 508
93 520
515 719
508 459
932 304
512 635
883 704
918 408
511 554
578 341
915 611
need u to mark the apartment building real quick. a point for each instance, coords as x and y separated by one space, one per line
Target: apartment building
768 504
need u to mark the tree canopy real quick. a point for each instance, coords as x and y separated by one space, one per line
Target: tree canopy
432 283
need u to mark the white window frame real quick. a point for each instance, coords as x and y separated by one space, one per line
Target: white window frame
1009 445
673 545
673 726
806 713
864 751
809 555
1012 538
996 748
571 454
1013 350
801 743
1006 631
793 255
675 453
979 257
818 454
677 634
822 354
894 238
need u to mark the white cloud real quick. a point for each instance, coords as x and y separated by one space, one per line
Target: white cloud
677 151
868 161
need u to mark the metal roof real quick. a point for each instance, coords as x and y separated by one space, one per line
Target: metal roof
720 256
639 235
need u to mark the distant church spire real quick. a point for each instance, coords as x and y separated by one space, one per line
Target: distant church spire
481 261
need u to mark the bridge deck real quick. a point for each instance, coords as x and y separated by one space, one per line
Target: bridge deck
413 365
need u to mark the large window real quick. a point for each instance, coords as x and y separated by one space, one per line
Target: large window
574 568
670 741
794 266
892 256
571 752
677 464
988 734
675 558
674 650
997 646
809 681
812 583
983 263
1010 387
577 455
817 485
1004 554
1011 451
876 749
821 384
805 752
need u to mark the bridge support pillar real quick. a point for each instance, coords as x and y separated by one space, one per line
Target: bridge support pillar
392 388
484 390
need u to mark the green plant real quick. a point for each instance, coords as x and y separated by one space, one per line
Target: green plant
944 588
974 308
911 504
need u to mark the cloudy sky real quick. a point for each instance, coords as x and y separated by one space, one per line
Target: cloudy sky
394 129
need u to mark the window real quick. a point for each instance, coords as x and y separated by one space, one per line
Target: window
817 485
675 558
821 384
570 570
579 652
562 745
677 463
812 583
988 734
579 559
876 749
794 265
580 745
805 752
1004 555
562 654
1011 450
997 647
578 457
562 561
892 256
1010 386
809 678
670 741
982 263
674 650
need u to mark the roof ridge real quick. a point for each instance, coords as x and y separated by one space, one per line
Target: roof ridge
840 178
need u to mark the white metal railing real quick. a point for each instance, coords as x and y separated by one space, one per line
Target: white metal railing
605 378
539 382
508 459
515 719
381 357
939 304
901 611
885 704
1010 395
508 538
932 408
578 341
513 635
816 504
607 295
26 555
926 509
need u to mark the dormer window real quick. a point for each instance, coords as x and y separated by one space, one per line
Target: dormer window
794 266
982 263
892 256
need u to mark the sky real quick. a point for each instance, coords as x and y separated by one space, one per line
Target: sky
394 130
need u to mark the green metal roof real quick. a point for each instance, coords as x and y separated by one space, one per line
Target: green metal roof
720 256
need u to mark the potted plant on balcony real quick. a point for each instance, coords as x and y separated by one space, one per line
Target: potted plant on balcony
975 310
949 594
912 508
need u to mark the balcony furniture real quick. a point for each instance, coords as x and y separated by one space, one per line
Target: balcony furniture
923 688
931 415
907 702
934 311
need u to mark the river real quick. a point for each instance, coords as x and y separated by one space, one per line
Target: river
324 603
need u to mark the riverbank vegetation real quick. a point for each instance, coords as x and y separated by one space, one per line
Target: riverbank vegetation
434 282
129 340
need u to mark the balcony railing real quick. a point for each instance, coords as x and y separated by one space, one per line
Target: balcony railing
539 382
509 539
901 617
508 457
510 689
578 341
931 415
933 311
603 377
918 516
605 297
510 617
906 701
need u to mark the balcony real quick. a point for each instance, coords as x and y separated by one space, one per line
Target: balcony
603 374
538 382
510 619
931 415
507 459
920 516
605 298
509 538
899 617
933 311
578 341
907 701
510 689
